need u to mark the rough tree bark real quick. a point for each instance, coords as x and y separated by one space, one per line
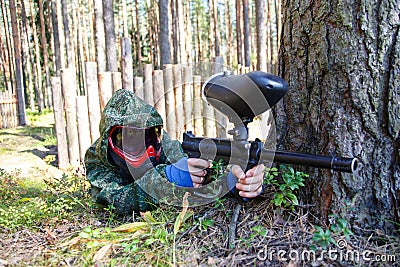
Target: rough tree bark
342 62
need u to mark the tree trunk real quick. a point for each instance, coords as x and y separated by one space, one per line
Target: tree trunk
3 63
29 61
217 36
125 18
246 33
261 36
37 65
45 55
165 47
229 37
57 45
68 44
181 29
100 37
239 32
18 67
175 32
92 18
342 61
188 33
8 44
138 42
198 34
111 50
79 43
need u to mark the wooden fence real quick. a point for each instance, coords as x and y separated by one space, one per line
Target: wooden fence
8 110
174 91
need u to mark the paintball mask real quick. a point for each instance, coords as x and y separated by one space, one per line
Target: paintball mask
135 147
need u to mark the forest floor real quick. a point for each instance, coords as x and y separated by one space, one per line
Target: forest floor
47 218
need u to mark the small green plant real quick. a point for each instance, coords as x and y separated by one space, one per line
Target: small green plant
217 170
339 226
284 182
206 223
258 230
110 209
322 238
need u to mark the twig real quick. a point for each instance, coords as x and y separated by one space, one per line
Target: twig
232 226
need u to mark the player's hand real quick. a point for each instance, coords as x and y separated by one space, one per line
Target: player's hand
250 183
197 170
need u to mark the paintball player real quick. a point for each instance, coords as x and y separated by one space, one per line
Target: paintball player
134 162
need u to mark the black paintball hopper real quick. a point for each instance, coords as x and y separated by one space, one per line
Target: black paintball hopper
244 96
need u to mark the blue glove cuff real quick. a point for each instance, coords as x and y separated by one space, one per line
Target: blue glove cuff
178 173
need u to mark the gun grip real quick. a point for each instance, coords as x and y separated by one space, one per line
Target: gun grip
231 182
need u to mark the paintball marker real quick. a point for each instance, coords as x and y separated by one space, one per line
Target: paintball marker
241 98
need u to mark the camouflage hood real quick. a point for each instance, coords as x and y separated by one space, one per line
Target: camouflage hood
124 108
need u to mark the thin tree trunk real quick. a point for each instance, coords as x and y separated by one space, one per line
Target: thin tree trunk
4 63
8 43
67 36
175 33
239 32
229 37
18 67
79 47
45 56
100 37
278 8
344 73
92 19
124 18
211 40
217 36
86 32
269 36
188 34
165 47
61 35
181 31
138 42
109 26
198 33
32 79
246 33
261 37
37 65
56 38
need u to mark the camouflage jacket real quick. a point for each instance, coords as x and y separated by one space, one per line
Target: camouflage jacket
110 184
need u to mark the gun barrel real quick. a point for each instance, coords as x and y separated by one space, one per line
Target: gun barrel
236 153
341 164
